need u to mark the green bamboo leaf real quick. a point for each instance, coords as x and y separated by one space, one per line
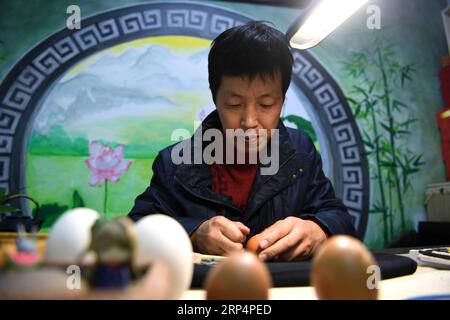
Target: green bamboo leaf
405 76
7 208
411 68
386 127
395 65
377 138
418 162
387 54
388 164
368 144
376 209
408 122
374 102
77 200
301 124
398 105
352 101
358 112
372 86
360 90
367 137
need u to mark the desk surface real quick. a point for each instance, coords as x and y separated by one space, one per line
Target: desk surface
425 281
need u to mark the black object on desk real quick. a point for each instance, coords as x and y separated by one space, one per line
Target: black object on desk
296 273
432 233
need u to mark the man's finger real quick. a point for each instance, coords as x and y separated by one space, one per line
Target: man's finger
244 229
286 243
227 246
297 252
273 234
232 232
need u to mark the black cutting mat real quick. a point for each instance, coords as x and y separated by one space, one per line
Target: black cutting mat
291 274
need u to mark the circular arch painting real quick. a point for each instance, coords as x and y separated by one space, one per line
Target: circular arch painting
122 84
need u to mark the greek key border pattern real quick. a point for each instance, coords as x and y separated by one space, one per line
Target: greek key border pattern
339 121
38 68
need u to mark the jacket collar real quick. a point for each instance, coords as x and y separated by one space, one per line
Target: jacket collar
197 179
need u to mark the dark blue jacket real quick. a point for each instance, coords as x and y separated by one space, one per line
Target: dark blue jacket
299 188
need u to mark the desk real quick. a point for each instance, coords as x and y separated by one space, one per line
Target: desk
425 280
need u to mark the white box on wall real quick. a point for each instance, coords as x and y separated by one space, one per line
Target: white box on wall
437 202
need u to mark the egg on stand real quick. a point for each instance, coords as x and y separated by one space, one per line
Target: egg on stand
241 276
340 270
114 274
67 240
164 244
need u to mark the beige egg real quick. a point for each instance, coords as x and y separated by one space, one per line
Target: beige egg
163 239
340 270
70 236
241 276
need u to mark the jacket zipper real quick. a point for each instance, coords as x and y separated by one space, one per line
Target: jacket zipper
284 162
207 199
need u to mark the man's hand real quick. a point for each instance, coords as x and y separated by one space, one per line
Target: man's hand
291 238
219 236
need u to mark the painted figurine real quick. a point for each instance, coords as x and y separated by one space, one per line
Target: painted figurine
113 244
26 256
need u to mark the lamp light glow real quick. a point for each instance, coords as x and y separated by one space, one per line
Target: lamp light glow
325 16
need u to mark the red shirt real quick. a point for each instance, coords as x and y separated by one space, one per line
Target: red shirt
235 181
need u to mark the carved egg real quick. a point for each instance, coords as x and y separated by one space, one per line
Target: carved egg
70 236
162 238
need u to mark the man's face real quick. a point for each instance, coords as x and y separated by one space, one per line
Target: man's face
244 103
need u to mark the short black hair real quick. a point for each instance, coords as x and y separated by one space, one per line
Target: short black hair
252 49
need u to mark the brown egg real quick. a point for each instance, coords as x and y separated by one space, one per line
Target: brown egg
253 244
241 276
339 270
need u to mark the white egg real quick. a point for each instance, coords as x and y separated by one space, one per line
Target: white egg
162 238
70 236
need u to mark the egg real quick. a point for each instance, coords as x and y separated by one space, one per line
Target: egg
340 270
241 276
253 244
162 238
70 236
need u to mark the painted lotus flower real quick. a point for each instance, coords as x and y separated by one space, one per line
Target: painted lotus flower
105 163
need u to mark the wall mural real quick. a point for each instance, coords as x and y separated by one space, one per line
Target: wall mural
116 89
378 78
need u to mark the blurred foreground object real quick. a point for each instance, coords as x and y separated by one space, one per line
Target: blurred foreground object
242 276
340 270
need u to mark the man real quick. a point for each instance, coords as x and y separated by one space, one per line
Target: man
221 204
